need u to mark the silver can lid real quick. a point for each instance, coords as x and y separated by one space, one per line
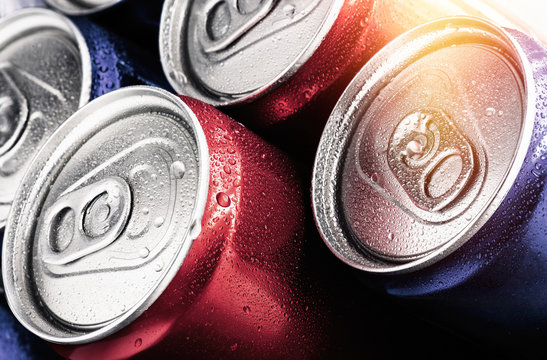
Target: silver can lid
103 222
227 52
45 75
82 7
423 145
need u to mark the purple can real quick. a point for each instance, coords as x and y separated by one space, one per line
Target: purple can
430 177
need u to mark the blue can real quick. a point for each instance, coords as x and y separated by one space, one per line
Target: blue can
430 178
137 21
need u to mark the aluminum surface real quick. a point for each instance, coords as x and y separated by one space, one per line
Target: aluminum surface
413 159
9 6
82 7
112 217
211 49
35 98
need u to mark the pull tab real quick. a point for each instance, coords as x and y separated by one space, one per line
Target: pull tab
13 111
228 20
431 159
85 221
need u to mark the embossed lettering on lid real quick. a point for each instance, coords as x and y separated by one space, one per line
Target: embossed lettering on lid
45 75
419 149
108 219
228 51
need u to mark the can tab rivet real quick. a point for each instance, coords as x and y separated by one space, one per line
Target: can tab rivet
85 221
432 160
228 20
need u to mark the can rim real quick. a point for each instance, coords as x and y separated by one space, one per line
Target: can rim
331 149
172 23
26 21
29 200
83 7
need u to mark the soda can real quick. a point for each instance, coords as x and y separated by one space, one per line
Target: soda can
280 66
49 67
184 236
431 175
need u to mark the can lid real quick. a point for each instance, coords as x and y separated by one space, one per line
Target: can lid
35 97
82 7
424 145
227 52
102 222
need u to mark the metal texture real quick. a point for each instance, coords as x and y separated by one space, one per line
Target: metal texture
9 6
235 291
82 7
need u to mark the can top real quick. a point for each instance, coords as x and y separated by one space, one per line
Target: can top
103 223
82 7
424 145
35 97
227 52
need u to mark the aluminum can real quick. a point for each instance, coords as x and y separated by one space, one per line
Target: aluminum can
49 67
181 238
280 66
431 175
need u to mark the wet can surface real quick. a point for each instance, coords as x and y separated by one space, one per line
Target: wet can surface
182 238
280 66
430 174
51 66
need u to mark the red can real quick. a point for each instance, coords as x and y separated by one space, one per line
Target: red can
280 67
181 238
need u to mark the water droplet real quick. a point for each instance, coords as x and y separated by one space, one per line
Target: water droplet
289 10
247 309
158 266
490 111
158 221
374 177
138 343
223 199
178 169
146 211
144 252
391 236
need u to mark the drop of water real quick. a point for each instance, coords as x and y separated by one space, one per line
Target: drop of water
144 252
247 309
158 266
490 111
289 10
178 169
374 177
223 199
138 343
391 236
158 221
